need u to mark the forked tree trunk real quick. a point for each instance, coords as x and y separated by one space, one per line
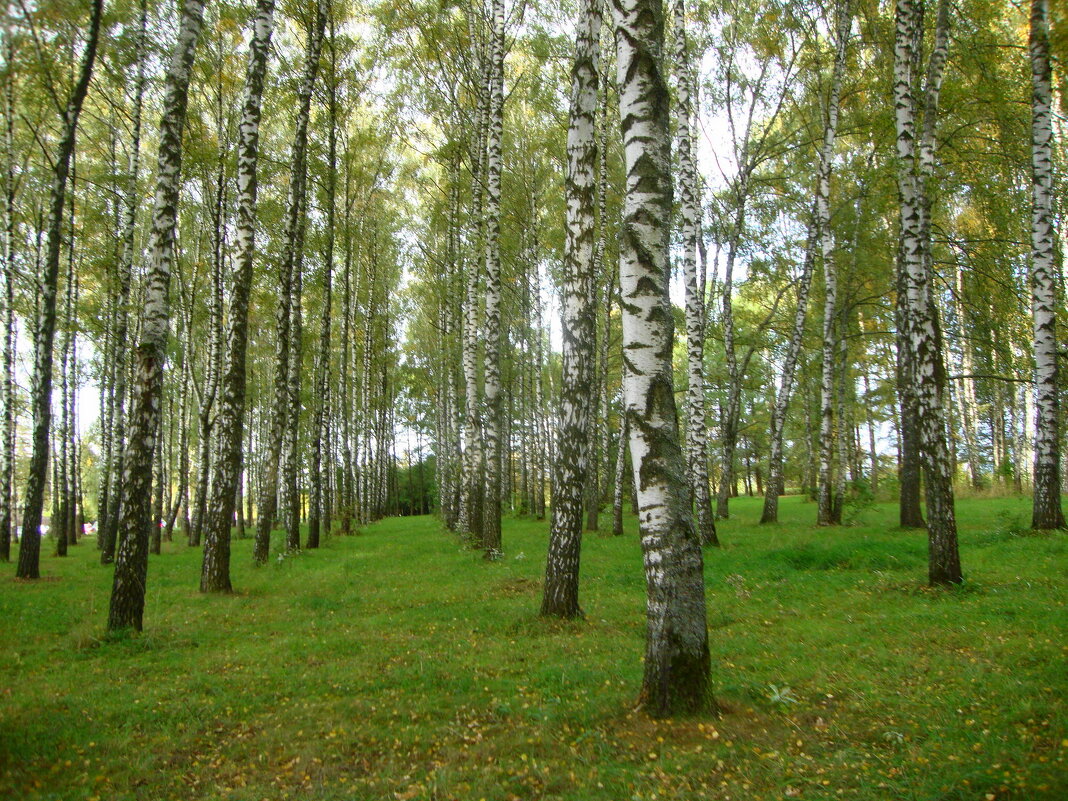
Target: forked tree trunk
676 675
215 569
281 410
1046 511
923 333
131 563
44 338
560 595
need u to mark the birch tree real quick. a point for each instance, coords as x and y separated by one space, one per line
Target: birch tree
775 485
44 337
215 570
115 446
689 214
131 563
560 595
7 434
1046 512
318 510
757 81
676 674
472 488
826 510
923 339
282 400
491 515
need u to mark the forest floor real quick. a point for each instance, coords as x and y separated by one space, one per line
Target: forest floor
398 665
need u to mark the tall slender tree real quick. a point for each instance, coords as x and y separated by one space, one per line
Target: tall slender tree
560 595
775 484
472 487
7 432
1047 512
281 414
677 658
108 519
215 570
689 214
826 511
131 563
491 515
44 336
925 369
318 510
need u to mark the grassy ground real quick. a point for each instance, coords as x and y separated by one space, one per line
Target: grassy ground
396 665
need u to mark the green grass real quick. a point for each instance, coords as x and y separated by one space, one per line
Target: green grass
397 665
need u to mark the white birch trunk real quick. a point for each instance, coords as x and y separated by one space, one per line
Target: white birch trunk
131 563
775 485
7 435
44 332
825 513
689 214
560 596
923 335
215 569
676 656
472 488
281 418
491 514
1047 512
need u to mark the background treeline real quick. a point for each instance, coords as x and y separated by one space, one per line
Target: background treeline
386 338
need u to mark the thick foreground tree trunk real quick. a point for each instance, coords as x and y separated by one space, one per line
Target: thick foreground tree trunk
676 654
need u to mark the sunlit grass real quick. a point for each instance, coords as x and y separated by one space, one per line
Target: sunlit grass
397 665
